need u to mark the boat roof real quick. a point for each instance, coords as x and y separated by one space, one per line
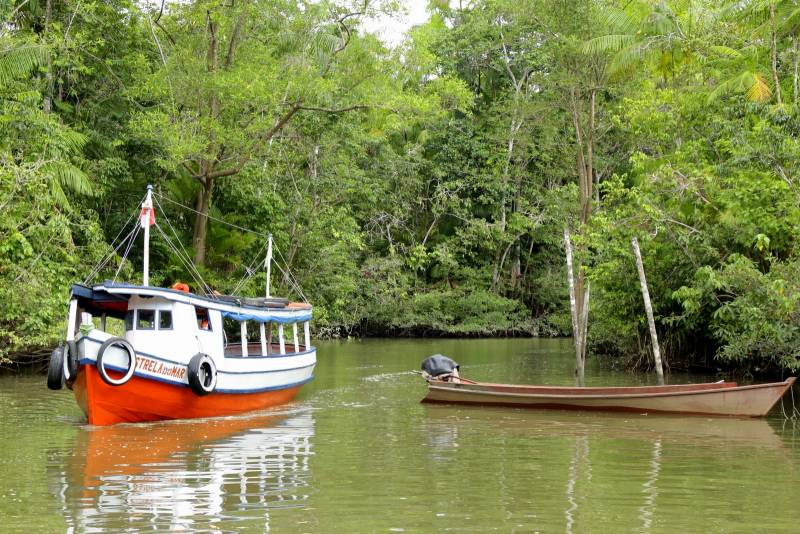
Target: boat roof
112 299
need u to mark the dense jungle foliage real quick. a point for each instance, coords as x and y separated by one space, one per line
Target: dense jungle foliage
423 188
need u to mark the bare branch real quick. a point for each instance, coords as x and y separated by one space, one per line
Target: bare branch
160 27
335 110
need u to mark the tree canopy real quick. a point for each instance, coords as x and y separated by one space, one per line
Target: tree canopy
421 189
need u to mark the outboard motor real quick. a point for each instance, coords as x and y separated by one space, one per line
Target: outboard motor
439 367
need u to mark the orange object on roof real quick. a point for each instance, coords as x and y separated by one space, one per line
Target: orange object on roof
180 286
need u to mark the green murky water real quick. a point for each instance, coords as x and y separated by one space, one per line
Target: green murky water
357 452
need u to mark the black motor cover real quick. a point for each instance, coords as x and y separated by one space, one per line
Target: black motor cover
438 364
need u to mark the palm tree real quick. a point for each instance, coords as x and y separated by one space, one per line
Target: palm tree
18 60
646 33
749 76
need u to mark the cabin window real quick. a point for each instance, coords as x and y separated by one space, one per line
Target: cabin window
145 319
129 320
165 320
203 320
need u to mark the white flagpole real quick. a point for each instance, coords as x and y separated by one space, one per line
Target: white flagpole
144 220
268 261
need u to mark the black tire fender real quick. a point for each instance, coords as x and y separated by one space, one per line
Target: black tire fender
202 374
70 363
55 369
101 368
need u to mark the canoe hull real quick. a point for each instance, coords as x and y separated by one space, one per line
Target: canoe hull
744 401
142 400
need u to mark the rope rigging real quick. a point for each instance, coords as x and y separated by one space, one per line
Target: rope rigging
250 269
107 258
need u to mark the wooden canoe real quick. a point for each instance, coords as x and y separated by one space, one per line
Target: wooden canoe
715 398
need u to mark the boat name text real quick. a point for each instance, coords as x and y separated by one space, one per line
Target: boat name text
153 366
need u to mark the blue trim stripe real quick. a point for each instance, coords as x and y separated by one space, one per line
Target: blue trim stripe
271 388
268 318
212 301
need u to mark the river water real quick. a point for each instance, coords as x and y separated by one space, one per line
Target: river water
357 452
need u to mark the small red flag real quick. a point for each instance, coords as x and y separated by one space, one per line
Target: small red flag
147 217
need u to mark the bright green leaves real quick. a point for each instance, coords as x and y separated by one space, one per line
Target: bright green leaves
755 314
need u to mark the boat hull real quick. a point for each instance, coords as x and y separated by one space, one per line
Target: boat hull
142 399
724 399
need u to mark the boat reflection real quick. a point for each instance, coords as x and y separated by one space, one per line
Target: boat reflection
729 431
187 475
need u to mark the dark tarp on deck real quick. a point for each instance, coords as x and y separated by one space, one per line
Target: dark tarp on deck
98 302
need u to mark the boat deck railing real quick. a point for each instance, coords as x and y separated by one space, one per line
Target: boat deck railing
234 350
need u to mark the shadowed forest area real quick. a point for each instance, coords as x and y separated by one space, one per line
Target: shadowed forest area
422 189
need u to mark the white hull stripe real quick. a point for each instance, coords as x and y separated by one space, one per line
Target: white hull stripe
87 361
219 371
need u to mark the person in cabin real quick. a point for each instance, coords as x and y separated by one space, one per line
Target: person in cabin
202 313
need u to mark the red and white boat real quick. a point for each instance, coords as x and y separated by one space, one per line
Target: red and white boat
175 359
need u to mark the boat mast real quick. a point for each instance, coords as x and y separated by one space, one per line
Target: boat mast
268 261
146 219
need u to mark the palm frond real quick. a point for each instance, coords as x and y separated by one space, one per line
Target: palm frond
617 20
605 43
71 140
788 17
726 52
628 58
323 45
752 84
68 176
759 90
59 198
661 21
17 62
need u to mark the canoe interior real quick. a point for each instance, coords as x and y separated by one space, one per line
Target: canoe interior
584 391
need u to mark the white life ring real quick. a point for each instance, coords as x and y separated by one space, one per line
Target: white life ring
101 368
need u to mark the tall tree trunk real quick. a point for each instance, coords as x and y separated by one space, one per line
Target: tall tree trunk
584 138
207 166
583 322
512 133
774 47
795 62
201 221
575 313
47 101
648 307
516 264
588 175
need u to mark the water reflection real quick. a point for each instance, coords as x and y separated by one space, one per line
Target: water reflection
650 488
631 472
579 468
729 431
198 475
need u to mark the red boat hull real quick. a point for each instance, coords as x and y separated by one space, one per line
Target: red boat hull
141 400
